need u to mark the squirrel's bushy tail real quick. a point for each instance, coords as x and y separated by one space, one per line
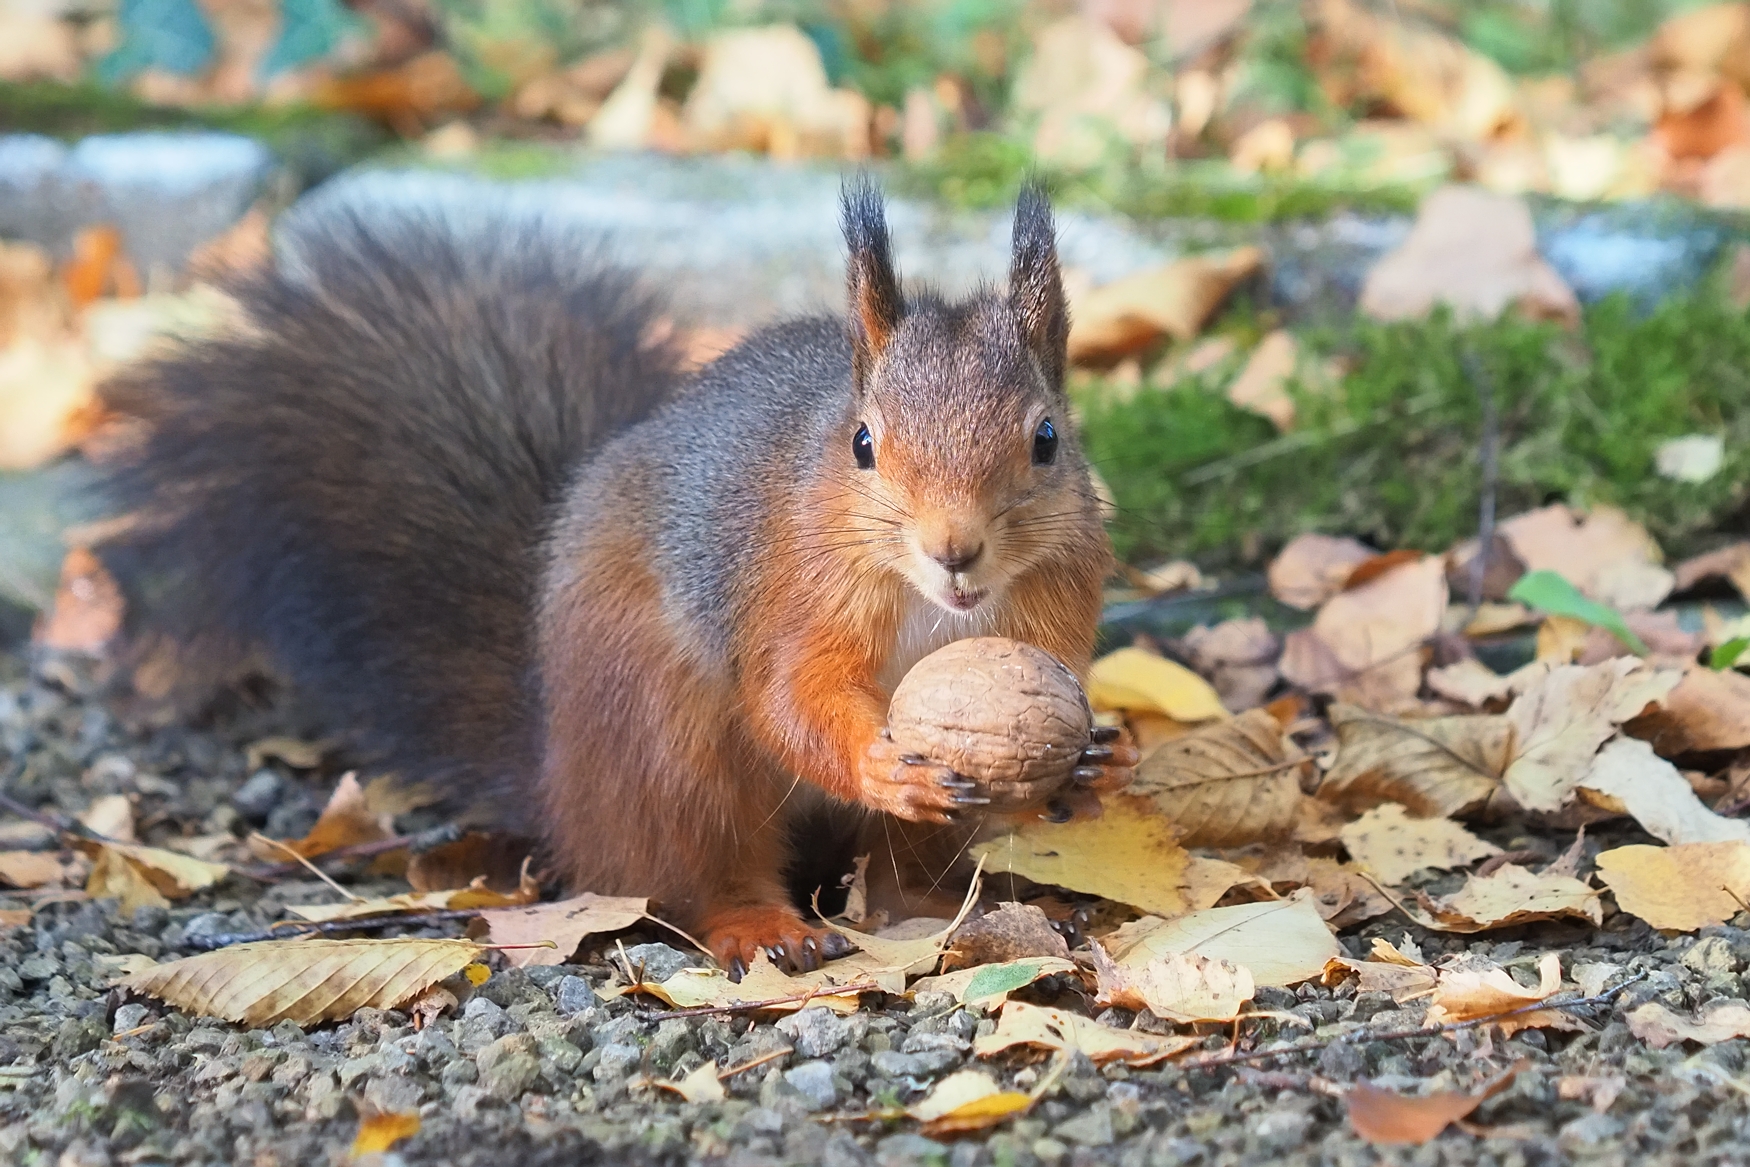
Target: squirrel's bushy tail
353 483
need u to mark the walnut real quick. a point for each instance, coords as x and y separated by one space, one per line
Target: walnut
1007 715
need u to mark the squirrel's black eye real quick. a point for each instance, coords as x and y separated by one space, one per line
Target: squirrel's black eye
863 446
1045 443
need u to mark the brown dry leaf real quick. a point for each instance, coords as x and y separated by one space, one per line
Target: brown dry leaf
1280 942
1474 251
1058 1029
1597 1092
110 815
304 981
1180 986
766 90
1720 1021
1394 846
1604 553
1129 854
1435 766
763 987
965 1101
1238 657
1510 895
1466 994
1387 969
29 869
1731 562
1708 710
1469 682
146 875
1226 784
991 984
1012 932
88 607
565 922
1082 89
1679 888
1313 568
1365 644
1124 317
14 917
889 960
113 877
1385 1117
475 895
294 752
1628 778
1343 896
702 1085
346 821
1262 385
430 1005
1561 719
380 1130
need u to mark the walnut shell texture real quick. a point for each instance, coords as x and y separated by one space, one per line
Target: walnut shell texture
1004 714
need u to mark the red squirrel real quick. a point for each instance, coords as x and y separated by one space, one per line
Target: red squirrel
447 477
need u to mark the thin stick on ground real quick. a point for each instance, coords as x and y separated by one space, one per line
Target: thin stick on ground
798 999
352 897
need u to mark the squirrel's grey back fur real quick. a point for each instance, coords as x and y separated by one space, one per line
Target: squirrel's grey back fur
356 482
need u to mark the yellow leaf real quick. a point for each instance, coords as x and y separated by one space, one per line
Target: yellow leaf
33 868
476 895
1226 784
1130 854
763 986
1465 994
1632 780
304 981
969 1100
1280 942
1679 888
1134 679
477 974
379 1132
1511 895
1179 986
113 877
1394 846
565 923
1059 1029
347 820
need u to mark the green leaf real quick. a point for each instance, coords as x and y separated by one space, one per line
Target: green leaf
1726 655
1551 593
1001 978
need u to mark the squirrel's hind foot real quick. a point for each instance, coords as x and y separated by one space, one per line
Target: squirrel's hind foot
736 937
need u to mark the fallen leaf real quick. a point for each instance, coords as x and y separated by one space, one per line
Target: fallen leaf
887 961
1021 1024
294 752
1394 846
1387 969
29 869
1466 994
113 877
1469 682
476 895
1708 710
629 116
762 987
991 984
1179 986
112 816
1475 252
380 1130
88 607
496 858
1387 1118
430 1005
967 1100
1082 90
1511 895
1627 777
766 89
1239 658
346 821
1134 679
1548 592
1011 932
409 95
1343 895
1129 854
1365 643
1719 1021
1313 568
1597 1092
565 922
1731 562
1262 385
304 981
1280 942
1679 888
1433 766
1226 784
1561 719
702 1085
141 876
1604 553
1128 315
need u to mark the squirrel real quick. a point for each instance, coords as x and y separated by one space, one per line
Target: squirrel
449 475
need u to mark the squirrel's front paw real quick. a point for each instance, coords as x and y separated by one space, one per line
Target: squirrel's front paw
1106 766
914 788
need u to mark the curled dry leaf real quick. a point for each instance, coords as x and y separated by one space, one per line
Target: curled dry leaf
1510 895
1465 994
1708 710
1365 644
763 986
1387 969
1720 1021
969 1100
1385 1117
1280 942
887 961
1118 319
1469 682
346 821
430 1005
1434 766
1227 784
1021 1024
1313 568
1395 846
1135 680
1180 986
1628 778
1731 562
1679 888
303 981
1561 719
1012 932
112 816
146 876
1343 895
565 923
1262 386
476 895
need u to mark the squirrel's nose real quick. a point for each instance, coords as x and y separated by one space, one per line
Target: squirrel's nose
957 559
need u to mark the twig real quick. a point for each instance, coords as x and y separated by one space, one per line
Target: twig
423 841
1488 455
352 897
1313 1045
755 1006
60 824
280 930
725 1075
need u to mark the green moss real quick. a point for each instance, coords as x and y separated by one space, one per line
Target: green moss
1391 453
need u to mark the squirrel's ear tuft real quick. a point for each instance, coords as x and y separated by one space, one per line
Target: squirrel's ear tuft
1036 285
876 307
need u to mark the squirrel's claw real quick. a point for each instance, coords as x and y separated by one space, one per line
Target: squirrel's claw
1101 734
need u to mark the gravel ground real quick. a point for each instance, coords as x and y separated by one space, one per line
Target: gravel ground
538 1069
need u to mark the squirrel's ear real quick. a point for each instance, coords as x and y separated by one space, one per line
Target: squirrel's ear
1036 285
876 307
